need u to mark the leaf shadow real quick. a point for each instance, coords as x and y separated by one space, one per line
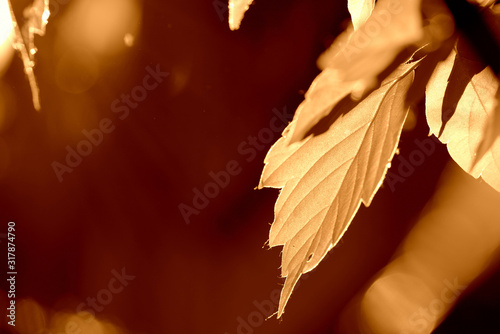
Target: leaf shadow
343 107
347 103
425 70
460 76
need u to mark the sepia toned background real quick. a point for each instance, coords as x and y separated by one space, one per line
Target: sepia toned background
174 100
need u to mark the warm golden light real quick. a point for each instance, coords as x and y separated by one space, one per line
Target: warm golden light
137 137
33 318
451 245
104 27
5 22
6 50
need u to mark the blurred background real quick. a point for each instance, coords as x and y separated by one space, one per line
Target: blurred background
144 105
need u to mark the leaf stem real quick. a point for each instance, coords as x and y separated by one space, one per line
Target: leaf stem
19 44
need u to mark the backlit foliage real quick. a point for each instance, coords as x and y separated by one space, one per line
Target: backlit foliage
335 153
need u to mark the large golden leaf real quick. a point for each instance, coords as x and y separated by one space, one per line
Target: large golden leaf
325 178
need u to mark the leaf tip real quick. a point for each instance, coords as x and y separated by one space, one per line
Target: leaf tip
296 137
237 10
298 133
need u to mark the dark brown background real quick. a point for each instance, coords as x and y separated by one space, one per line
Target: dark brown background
119 208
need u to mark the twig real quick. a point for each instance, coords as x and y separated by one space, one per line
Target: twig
19 44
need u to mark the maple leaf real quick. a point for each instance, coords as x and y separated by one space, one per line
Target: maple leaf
237 9
360 10
461 109
325 178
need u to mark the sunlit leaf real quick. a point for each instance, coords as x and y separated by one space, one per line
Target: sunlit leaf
325 92
362 55
360 10
461 102
237 9
325 178
491 133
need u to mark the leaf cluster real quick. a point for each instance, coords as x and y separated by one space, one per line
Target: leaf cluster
336 152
